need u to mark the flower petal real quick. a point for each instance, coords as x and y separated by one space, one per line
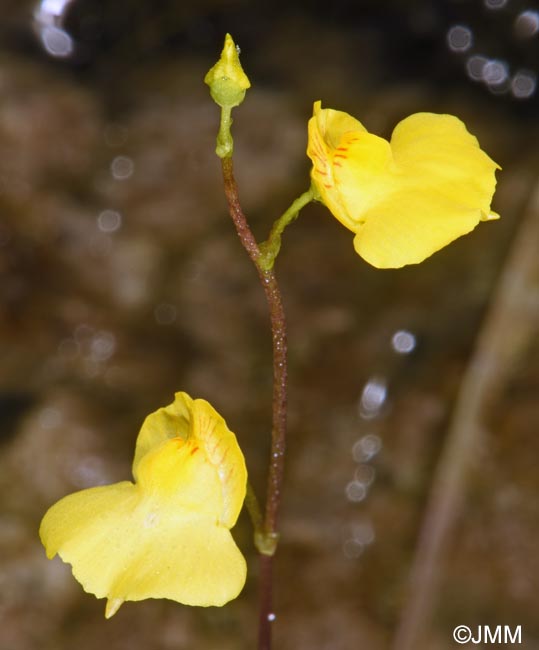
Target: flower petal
332 124
223 452
171 421
206 472
74 515
191 560
124 545
326 129
179 474
439 149
363 170
410 226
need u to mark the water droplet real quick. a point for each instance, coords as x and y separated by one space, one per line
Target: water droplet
271 617
122 168
527 24
56 41
459 38
109 221
50 9
495 4
365 474
363 532
495 72
102 346
373 397
366 448
48 21
524 84
475 65
403 342
355 491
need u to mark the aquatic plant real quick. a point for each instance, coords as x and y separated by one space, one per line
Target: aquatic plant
167 534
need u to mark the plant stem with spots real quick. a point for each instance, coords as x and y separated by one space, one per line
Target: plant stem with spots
266 538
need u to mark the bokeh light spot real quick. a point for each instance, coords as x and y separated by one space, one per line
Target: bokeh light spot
365 474
366 448
495 72
109 221
372 398
527 24
56 41
122 168
495 4
475 65
403 342
459 38
523 84
356 491
102 346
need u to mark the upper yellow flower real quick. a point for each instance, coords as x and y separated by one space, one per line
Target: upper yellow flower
407 198
167 534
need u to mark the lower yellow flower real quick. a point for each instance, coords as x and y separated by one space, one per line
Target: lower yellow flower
407 198
167 534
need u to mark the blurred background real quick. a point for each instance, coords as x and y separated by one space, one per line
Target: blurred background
122 281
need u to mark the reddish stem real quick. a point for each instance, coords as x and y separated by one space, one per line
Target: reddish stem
278 434
266 602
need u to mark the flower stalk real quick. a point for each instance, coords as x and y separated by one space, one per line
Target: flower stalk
228 84
271 247
266 538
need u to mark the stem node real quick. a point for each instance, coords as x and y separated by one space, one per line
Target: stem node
266 543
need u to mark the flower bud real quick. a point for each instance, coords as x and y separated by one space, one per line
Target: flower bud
227 80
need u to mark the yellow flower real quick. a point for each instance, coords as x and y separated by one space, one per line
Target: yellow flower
407 198
167 534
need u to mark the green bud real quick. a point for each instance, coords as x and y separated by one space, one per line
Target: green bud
227 80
